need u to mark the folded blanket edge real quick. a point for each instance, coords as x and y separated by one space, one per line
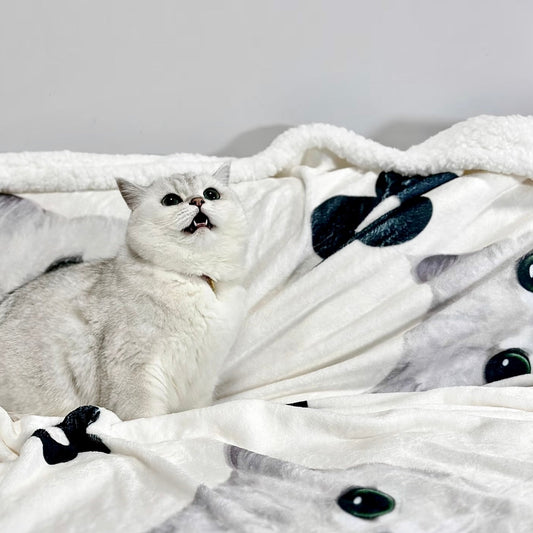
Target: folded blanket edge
488 143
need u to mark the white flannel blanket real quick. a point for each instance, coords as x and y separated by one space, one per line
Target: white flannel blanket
390 301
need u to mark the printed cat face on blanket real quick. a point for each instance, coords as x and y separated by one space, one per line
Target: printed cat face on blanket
267 494
34 239
187 224
480 328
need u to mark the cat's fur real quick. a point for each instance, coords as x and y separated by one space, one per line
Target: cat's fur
144 333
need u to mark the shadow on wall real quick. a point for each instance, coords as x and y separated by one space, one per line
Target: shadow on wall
252 141
405 133
399 134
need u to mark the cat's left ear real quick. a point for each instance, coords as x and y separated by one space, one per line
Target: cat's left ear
131 193
222 174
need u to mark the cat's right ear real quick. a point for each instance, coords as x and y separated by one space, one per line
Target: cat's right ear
223 172
130 192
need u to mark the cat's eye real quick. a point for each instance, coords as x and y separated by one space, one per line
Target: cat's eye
171 199
211 194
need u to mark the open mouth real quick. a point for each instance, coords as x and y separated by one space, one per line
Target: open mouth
199 221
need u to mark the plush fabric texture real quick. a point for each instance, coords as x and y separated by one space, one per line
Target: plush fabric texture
390 301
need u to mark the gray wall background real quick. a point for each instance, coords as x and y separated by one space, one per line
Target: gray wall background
224 77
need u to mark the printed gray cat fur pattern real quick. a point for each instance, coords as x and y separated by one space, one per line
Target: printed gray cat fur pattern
480 309
31 239
266 494
143 333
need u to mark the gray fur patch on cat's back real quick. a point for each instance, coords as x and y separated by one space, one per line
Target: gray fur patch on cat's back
34 240
267 494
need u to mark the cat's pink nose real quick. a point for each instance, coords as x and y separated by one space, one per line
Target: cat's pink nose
198 201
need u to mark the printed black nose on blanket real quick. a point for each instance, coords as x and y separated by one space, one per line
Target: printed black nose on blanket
335 222
74 427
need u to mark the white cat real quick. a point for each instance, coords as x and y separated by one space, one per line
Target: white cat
144 333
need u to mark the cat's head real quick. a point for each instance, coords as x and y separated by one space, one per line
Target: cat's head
188 223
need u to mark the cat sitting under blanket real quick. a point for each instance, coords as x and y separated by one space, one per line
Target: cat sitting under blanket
144 333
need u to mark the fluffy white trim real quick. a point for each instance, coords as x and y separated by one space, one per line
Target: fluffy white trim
496 144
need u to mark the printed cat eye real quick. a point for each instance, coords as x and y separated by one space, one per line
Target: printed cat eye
366 503
524 272
507 364
211 194
171 199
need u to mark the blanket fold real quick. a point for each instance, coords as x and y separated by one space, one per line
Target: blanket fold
390 301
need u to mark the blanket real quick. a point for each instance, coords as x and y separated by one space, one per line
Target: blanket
381 379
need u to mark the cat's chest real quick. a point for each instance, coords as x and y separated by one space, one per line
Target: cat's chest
175 325
186 352
178 312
